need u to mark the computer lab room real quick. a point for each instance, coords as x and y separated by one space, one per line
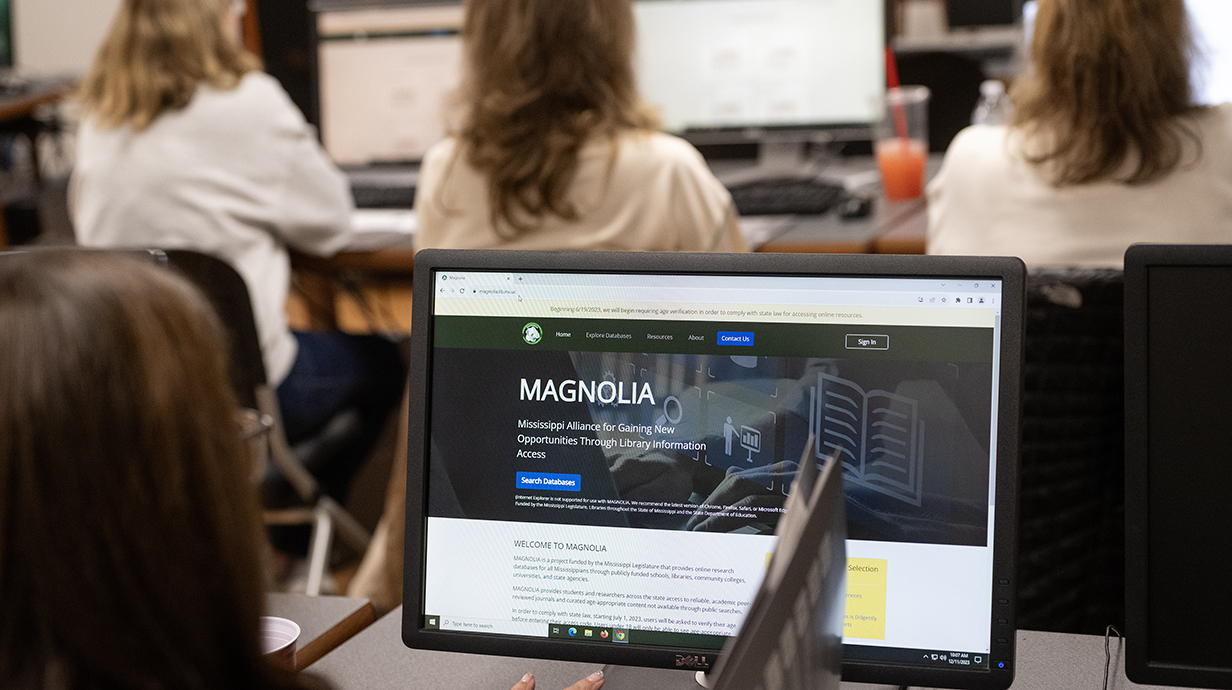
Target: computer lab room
624 344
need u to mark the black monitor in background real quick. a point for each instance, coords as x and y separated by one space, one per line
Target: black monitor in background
970 13
1178 465
288 39
954 82
601 444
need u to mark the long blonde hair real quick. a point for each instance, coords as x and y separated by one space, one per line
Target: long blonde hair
543 77
1110 79
154 57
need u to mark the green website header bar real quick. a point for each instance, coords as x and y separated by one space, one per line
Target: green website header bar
839 341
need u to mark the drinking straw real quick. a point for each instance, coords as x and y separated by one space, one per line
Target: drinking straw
900 113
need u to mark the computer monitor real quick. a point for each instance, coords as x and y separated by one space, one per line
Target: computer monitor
708 64
1212 69
601 443
1178 465
386 74
972 13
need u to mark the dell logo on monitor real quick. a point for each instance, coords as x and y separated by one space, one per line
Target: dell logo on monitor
692 661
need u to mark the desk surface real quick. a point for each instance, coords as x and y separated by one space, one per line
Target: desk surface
902 222
40 93
324 622
16 109
376 659
892 228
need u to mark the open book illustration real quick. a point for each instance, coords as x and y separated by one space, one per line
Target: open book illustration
878 435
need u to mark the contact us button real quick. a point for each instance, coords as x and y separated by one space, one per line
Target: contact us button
738 338
862 341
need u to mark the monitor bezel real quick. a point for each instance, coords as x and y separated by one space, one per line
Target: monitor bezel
1139 665
1010 271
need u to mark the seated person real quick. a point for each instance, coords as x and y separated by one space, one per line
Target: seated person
1105 148
130 555
130 547
556 149
185 144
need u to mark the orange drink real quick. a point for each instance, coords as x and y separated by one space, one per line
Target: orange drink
901 162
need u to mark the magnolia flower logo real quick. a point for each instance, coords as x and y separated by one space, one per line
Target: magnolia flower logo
532 333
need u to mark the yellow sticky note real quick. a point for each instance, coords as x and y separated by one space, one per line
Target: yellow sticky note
866 598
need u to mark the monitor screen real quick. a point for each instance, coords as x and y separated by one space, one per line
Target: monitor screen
1212 68
385 77
1178 464
601 445
756 63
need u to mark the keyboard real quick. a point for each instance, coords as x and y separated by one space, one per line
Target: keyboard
383 196
786 195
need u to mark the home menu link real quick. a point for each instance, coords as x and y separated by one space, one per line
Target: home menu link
687 337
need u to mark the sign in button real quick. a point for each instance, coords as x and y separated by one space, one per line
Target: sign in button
549 481
739 338
867 342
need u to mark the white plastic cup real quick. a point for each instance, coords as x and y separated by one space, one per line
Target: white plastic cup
278 638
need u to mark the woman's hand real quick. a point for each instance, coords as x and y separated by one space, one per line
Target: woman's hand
592 682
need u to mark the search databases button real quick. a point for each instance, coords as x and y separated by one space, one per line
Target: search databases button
549 481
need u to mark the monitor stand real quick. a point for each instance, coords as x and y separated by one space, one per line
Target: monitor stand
780 153
784 156
640 678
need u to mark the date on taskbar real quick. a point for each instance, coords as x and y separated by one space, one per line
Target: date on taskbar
975 661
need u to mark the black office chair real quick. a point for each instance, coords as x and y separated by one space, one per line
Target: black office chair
1071 516
228 294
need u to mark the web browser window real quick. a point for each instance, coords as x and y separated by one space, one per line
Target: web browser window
1212 59
386 74
726 63
610 453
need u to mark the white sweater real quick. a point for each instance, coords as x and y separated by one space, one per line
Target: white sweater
237 174
987 200
656 195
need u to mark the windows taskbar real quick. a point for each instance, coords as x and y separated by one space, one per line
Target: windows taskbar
616 635
929 658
